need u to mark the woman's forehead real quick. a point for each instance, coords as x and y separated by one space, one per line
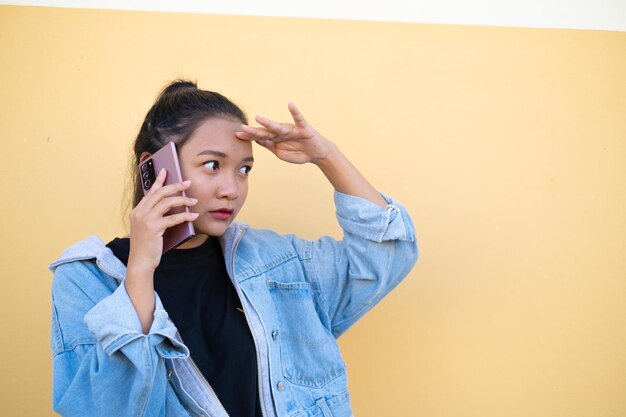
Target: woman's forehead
217 136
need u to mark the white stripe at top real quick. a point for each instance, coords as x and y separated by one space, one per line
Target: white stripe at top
570 14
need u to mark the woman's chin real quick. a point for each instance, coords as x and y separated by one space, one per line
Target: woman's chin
212 228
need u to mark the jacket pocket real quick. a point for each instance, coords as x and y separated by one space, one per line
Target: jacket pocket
309 353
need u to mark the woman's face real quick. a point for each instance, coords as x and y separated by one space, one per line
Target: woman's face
217 163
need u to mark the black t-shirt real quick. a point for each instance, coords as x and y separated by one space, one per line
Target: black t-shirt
201 301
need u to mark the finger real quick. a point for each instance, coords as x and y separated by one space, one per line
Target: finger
253 133
172 189
244 136
178 218
298 118
169 203
158 193
158 183
160 179
279 129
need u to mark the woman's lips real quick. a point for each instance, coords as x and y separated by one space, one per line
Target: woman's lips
222 214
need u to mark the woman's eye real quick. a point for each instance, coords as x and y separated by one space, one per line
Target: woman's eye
212 165
245 169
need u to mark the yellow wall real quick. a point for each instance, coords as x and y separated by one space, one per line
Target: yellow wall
507 145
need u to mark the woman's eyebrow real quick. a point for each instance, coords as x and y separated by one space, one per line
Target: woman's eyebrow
223 155
214 153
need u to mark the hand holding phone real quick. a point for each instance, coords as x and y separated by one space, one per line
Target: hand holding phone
167 158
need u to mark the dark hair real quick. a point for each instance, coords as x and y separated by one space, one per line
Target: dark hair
174 116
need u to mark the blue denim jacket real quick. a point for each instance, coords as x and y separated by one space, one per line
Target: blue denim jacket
298 297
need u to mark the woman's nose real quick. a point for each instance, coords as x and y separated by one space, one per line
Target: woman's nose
228 188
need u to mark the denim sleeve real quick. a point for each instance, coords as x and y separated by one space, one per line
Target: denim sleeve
103 365
377 251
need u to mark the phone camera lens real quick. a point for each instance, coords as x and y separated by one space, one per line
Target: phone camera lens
147 184
144 167
146 175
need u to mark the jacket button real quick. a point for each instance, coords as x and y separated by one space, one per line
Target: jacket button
275 334
280 386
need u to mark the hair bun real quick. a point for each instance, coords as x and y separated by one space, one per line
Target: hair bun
179 85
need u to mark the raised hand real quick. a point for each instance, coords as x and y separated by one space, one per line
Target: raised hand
299 143
295 142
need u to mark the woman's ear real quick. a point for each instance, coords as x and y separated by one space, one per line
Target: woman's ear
144 156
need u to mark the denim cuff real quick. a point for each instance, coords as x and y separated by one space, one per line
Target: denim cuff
368 220
114 322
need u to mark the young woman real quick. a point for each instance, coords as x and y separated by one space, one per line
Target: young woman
236 321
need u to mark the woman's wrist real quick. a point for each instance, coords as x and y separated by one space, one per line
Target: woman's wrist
139 285
140 264
139 274
331 154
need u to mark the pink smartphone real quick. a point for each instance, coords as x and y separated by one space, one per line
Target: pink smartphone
167 158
